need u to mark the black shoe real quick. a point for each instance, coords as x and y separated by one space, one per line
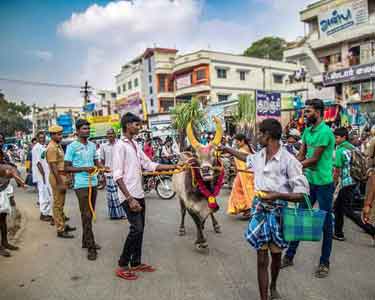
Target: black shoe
69 228
65 235
96 247
322 271
66 219
286 262
339 237
4 252
92 255
10 247
45 218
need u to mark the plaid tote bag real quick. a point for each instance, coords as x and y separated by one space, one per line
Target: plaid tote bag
303 224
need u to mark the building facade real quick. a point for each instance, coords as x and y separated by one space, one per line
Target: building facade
338 50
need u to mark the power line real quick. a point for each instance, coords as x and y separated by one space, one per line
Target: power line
38 83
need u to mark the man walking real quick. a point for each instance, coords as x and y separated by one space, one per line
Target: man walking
128 162
81 159
40 170
115 210
316 155
57 179
278 178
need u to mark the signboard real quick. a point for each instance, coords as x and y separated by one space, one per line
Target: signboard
354 73
66 122
342 17
104 119
268 105
90 107
287 102
132 103
183 81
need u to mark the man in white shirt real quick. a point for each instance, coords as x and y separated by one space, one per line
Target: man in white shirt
128 162
40 171
115 210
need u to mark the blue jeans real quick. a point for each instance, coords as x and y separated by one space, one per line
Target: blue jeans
324 195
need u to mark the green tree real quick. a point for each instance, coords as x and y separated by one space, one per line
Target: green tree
182 114
12 117
268 47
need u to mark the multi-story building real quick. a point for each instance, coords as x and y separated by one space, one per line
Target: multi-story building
105 103
338 50
159 79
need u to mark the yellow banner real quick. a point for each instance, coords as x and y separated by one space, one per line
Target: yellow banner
104 119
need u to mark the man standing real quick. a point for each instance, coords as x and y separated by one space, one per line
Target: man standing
81 159
40 174
115 210
128 162
55 159
278 178
316 155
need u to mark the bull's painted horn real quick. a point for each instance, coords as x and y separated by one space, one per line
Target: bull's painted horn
219 132
192 139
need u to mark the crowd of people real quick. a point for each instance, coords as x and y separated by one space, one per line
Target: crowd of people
321 164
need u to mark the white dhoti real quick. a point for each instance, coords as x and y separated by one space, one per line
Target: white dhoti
5 195
45 198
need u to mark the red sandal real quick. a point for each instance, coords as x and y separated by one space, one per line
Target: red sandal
143 268
126 274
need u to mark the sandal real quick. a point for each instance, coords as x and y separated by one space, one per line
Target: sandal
143 268
126 274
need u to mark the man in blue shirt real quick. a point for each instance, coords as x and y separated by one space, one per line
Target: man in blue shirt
81 160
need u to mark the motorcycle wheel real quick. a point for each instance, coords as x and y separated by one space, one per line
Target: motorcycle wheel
164 188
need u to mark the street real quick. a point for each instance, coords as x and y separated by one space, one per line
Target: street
48 268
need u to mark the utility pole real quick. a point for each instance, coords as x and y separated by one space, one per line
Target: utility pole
86 92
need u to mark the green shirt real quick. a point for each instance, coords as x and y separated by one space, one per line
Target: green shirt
320 136
342 162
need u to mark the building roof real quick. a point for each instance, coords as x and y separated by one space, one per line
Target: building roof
150 51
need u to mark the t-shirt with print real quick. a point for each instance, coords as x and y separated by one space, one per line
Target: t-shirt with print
82 155
320 136
343 161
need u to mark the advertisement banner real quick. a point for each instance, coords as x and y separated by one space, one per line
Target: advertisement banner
354 73
287 102
183 81
268 105
132 103
342 15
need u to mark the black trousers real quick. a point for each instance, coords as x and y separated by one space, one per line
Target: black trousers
132 251
342 207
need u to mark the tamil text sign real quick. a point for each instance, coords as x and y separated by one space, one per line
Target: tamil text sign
354 73
268 105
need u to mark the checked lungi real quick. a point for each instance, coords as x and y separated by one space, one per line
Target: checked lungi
115 210
265 224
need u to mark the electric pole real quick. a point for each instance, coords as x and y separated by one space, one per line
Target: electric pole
86 92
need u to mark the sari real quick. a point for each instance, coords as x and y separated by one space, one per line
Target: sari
242 193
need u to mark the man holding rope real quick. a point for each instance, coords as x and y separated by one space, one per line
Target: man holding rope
128 163
81 159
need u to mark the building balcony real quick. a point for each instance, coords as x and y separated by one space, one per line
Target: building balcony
165 94
190 61
192 90
163 67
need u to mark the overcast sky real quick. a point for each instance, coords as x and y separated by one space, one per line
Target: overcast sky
68 42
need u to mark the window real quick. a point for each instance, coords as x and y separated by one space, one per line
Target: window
151 90
161 83
136 82
221 73
222 98
150 78
119 90
242 75
152 102
201 74
278 78
367 93
124 87
149 65
129 85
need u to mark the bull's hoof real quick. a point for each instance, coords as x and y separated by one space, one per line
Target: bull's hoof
217 229
181 232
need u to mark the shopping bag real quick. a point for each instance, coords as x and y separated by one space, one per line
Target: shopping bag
303 224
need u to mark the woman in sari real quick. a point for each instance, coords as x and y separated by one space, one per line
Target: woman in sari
242 194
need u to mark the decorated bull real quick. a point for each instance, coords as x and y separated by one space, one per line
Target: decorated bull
198 186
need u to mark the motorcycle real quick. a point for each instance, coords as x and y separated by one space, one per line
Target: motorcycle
161 183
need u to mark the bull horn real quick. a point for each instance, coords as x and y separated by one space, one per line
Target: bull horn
219 132
192 139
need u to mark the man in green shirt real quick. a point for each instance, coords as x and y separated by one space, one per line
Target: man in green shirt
316 156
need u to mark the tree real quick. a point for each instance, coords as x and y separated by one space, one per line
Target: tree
12 117
268 47
182 114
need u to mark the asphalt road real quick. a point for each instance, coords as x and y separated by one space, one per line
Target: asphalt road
48 268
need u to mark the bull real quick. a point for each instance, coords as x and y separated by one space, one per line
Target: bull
198 186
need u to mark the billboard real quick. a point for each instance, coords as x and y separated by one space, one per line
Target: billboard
268 105
354 73
183 81
131 103
342 15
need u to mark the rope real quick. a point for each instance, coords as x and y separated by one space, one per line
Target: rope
95 172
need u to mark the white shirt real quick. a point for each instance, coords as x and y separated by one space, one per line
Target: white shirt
282 173
128 162
106 154
37 152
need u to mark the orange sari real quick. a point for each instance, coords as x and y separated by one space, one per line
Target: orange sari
243 192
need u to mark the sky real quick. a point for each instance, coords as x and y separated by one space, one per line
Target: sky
71 41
